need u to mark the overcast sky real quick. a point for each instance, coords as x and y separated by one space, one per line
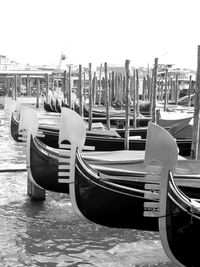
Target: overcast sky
98 31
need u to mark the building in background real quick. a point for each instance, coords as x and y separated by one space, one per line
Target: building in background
8 64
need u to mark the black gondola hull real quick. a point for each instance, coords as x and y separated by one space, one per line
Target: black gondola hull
180 227
109 205
101 142
44 168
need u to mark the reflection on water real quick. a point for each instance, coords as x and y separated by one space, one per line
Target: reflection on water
51 234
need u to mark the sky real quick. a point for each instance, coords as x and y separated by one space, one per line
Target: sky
37 32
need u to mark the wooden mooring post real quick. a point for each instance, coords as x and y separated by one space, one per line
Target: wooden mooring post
134 99
154 90
84 88
112 87
38 93
7 84
144 89
69 88
28 87
94 89
14 88
189 91
65 86
47 87
176 90
90 97
195 137
166 89
100 87
127 97
137 94
80 91
107 98
35 192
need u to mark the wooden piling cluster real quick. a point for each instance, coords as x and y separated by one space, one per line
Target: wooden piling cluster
107 87
146 86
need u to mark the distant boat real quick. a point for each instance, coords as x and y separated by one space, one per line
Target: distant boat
98 113
48 107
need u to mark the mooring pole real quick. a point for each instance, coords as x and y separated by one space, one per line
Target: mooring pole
90 97
84 87
107 96
166 90
195 136
100 87
154 90
69 88
28 87
15 87
47 87
137 94
38 93
7 85
189 91
65 86
80 92
112 88
134 99
144 89
126 145
94 91
36 193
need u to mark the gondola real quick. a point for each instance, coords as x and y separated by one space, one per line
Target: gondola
183 101
116 200
59 104
144 106
171 118
43 165
179 224
50 131
116 116
48 107
53 170
44 162
102 140
98 114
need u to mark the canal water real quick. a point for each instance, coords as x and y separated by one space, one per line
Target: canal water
50 233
